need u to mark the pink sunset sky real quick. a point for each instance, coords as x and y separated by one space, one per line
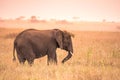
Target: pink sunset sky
90 10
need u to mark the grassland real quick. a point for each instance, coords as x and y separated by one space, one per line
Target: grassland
96 57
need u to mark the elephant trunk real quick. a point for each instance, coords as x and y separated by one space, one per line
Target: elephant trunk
67 57
70 52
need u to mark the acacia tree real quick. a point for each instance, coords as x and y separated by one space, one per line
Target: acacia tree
34 19
20 18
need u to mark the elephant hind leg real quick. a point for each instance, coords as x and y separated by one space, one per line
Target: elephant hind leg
21 59
30 58
30 61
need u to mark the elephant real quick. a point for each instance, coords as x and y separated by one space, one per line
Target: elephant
31 44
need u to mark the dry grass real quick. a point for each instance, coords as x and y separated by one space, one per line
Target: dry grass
96 57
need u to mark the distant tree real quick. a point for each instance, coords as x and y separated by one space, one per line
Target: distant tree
34 19
63 22
104 20
20 18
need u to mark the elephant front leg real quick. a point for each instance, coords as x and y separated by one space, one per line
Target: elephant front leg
52 59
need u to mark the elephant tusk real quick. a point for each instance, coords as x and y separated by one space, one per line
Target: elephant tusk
71 53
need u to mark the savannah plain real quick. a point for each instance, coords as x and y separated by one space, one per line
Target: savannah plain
96 52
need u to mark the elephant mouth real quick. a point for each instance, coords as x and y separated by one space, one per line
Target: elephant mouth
67 57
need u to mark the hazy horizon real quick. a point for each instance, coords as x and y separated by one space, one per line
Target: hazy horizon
81 10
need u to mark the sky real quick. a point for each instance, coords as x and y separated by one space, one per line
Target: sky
89 10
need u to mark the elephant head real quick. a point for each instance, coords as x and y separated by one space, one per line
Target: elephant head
65 42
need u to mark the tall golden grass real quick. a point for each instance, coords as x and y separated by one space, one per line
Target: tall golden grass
96 57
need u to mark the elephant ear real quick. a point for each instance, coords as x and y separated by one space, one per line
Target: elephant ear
59 37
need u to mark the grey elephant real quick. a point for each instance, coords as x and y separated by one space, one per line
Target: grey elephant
31 44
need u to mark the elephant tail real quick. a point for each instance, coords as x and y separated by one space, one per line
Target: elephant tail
14 58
